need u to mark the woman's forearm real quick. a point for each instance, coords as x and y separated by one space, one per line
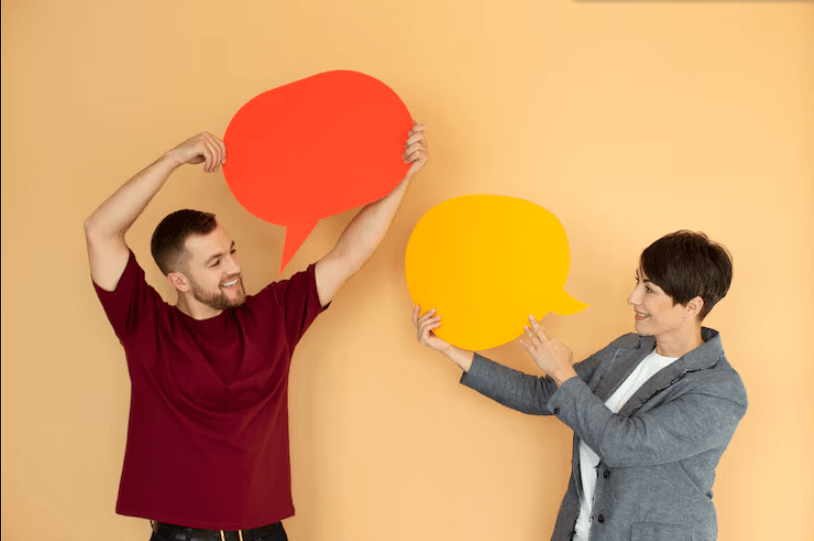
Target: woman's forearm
461 357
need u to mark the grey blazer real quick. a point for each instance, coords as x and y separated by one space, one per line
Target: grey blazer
658 454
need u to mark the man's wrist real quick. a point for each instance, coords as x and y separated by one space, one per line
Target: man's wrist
172 158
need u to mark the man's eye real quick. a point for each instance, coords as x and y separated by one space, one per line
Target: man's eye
216 263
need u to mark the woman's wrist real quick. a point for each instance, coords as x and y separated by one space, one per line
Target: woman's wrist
461 357
561 375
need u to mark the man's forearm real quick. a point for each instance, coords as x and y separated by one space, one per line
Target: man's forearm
367 229
115 216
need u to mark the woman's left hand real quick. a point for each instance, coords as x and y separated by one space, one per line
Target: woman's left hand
550 354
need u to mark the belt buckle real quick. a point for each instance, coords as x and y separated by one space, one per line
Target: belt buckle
223 537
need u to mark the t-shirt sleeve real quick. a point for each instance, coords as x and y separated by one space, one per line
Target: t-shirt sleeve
132 300
298 299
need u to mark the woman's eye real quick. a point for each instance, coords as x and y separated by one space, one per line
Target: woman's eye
649 290
216 263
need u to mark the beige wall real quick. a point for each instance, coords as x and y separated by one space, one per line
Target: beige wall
627 120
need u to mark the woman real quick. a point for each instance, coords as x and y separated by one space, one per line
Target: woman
652 412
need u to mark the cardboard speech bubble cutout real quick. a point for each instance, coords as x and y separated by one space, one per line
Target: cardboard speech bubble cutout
485 263
314 148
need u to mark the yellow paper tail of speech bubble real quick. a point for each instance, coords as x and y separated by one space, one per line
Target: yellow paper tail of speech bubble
563 304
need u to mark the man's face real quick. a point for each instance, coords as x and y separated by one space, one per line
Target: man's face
213 271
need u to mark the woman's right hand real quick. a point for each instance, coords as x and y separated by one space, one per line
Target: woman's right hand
425 325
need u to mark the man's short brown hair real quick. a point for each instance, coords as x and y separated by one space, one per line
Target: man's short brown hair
167 244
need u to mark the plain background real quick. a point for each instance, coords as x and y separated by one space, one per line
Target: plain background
626 120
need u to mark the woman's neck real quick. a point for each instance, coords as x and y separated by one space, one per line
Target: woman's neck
678 344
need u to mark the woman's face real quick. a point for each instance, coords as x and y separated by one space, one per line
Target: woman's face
655 313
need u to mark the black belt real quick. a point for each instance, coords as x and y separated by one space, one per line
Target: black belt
172 532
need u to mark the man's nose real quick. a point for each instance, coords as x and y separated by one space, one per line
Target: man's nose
234 265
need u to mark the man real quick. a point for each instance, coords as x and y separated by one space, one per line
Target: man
207 452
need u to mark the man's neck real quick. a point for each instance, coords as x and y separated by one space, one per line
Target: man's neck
195 309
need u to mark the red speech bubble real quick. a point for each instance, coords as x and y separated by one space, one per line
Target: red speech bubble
314 148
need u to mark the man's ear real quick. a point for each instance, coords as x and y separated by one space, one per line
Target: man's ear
178 281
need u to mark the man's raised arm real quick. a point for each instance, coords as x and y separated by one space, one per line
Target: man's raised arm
105 228
367 229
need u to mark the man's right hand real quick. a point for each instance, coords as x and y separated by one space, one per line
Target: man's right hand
105 228
203 147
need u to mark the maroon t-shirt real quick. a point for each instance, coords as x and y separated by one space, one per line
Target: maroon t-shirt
207 441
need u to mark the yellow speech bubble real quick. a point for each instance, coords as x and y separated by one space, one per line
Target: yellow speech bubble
485 263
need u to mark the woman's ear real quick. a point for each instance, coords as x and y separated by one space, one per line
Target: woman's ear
694 306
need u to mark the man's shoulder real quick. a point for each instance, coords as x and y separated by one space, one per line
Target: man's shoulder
300 281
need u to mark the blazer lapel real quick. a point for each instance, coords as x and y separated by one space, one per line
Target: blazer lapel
622 365
704 356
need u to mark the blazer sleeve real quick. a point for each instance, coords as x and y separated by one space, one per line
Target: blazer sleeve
703 418
524 392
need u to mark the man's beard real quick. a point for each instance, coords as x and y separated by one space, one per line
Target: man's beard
218 301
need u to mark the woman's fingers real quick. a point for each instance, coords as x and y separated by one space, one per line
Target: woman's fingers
538 329
534 338
430 324
428 315
426 323
426 330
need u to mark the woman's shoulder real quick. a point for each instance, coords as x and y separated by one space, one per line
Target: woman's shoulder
720 380
630 340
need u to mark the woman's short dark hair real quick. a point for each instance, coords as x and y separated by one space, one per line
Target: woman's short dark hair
687 264
167 244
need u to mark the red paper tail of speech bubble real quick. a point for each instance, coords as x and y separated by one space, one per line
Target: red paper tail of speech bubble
295 235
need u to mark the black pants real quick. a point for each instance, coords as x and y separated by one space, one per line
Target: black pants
277 535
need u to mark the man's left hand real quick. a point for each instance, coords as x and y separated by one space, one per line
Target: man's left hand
415 150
